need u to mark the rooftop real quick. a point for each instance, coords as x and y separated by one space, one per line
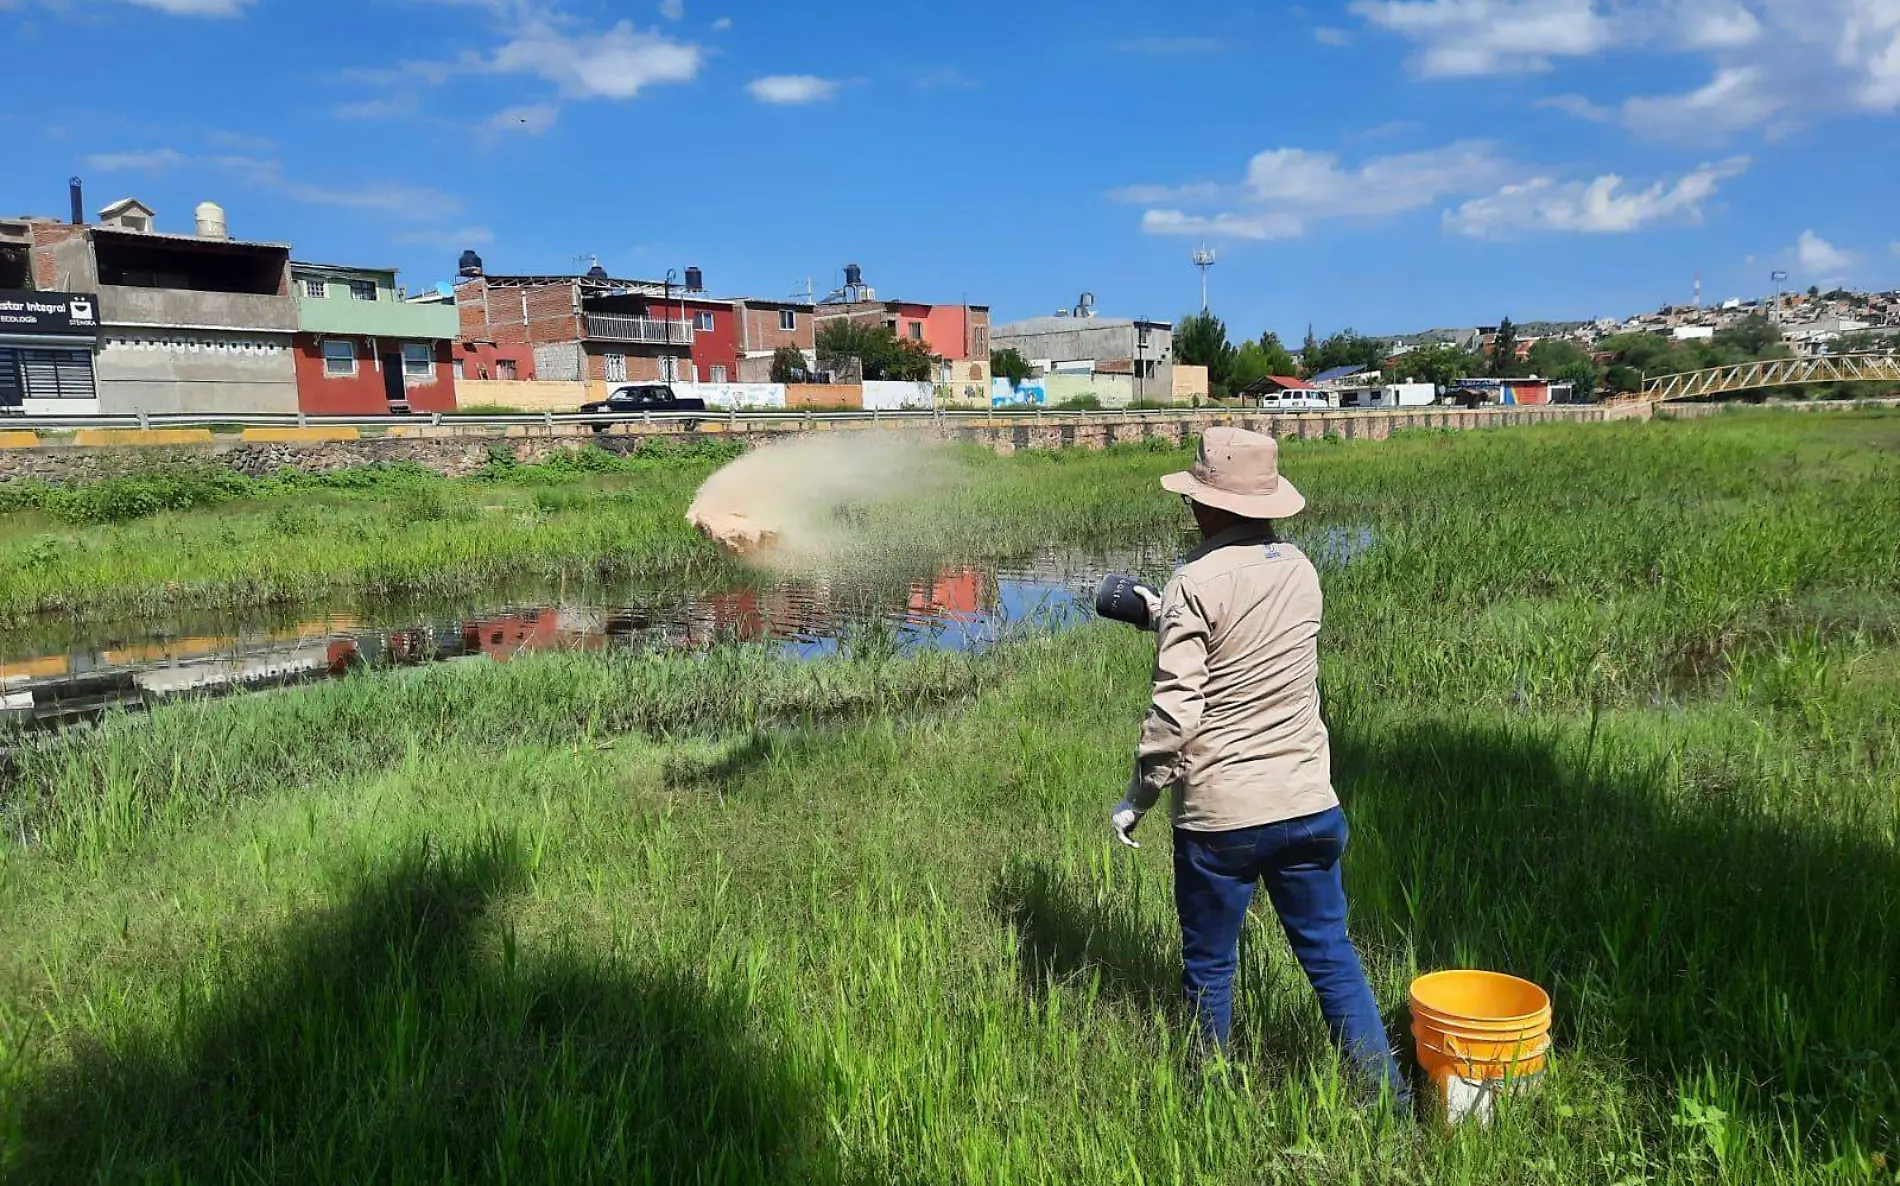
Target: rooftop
1052 325
187 240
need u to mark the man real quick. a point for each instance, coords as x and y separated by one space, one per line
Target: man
1235 732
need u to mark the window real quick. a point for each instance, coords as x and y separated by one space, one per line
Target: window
1141 338
616 368
505 368
362 290
916 331
418 360
459 369
45 374
787 320
339 356
719 374
703 321
315 288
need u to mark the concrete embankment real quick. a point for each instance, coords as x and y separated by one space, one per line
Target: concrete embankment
456 450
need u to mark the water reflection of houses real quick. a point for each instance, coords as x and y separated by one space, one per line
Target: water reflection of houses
964 606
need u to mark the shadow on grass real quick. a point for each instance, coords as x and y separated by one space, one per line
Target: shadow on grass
1678 927
1069 933
399 1039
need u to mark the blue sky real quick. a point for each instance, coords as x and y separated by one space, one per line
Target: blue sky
1384 164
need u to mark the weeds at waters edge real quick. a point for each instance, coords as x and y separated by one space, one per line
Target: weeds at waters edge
103 789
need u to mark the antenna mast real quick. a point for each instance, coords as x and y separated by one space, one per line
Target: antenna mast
1203 258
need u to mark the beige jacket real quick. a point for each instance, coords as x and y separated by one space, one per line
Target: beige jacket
1235 728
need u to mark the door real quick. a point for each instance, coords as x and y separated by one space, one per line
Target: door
393 390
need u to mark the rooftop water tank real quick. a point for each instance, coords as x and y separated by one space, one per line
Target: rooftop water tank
211 222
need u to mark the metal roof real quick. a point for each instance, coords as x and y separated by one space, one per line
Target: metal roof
196 240
1329 375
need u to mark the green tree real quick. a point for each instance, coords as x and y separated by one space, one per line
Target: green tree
1347 348
788 365
1504 351
883 353
1010 364
1309 349
1566 362
1279 360
1439 364
1750 338
1620 378
1200 339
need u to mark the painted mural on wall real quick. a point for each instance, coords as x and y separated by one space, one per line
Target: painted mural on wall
1028 394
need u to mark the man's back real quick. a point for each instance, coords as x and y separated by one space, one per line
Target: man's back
1235 726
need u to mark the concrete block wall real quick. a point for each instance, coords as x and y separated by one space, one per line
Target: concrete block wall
459 450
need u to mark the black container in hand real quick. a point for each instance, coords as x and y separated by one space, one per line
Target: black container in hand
1119 598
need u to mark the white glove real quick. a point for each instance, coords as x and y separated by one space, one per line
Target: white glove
1152 600
1126 816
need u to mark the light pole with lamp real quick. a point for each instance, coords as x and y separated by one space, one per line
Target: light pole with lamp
672 372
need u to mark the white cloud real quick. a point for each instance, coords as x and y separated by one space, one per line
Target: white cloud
408 202
1579 106
531 119
152 160
792 88
1817 256
1327 35
1193 191
1459 38
1894 247
1226 225
196 7
1286 189
468 236
1765 58
617 64
673 10
1736 98
722 24
1598 207
394 107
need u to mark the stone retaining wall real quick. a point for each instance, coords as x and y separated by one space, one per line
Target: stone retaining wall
458 450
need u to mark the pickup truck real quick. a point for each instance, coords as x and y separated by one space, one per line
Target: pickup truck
644 397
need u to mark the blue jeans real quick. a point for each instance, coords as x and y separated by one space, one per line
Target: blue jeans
1214 878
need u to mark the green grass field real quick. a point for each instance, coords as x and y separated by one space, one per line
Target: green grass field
1615 707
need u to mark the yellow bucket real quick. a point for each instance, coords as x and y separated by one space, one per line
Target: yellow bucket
1479 1035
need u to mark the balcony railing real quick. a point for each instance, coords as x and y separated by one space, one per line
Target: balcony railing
645 330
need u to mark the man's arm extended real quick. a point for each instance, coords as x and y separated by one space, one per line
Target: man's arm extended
1180 682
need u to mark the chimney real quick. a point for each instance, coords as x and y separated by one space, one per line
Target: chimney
74 187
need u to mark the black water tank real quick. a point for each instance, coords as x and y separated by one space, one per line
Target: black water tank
853 276
695 280
470 265
597 273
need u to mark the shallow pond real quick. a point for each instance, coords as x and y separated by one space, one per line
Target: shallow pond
60 672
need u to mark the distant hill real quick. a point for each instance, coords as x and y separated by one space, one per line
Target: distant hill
1526 329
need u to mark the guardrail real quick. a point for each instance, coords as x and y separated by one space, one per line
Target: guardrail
645 330
787 416
533 419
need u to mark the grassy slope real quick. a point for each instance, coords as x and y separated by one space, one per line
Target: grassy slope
1616 709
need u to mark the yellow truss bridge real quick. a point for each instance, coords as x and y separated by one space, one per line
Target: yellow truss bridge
1777 372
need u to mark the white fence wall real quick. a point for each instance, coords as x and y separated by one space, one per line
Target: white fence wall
896 397
735 395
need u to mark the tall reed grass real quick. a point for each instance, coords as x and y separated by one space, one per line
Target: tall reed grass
1617 710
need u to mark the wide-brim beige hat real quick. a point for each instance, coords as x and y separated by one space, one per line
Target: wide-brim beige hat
1238 471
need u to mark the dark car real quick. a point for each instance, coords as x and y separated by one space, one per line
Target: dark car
644 397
